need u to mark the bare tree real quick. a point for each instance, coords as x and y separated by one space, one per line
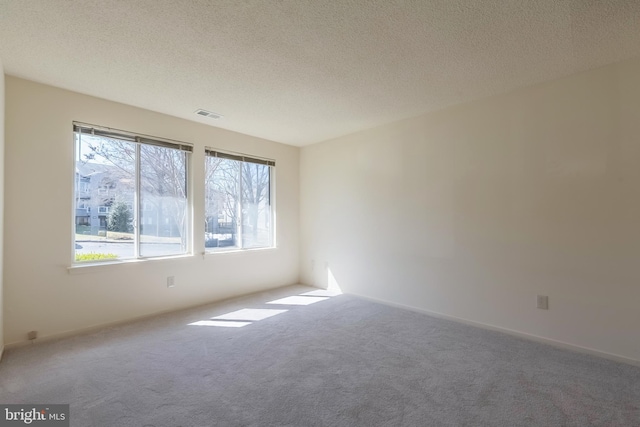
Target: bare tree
255 190
222 192
163 184
234 187
162 178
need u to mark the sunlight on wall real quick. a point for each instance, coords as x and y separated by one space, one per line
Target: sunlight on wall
332 283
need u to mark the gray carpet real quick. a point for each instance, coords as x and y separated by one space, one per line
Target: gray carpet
338 362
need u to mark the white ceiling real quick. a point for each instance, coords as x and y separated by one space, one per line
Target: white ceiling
304 71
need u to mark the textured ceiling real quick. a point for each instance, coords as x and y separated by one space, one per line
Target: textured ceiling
303 71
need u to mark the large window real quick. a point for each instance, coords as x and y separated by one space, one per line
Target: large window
131 198
238 201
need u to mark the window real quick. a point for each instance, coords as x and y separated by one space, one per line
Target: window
116 173
238 201
82 220
84 185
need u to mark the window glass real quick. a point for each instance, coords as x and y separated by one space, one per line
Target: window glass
104 175
163 192
221 203
238 209
256 206
108 225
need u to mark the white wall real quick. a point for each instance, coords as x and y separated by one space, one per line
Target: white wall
40 293
474 210
1 202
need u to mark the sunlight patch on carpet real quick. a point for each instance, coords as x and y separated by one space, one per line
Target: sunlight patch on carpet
247 316
221 323
322 293
298 300
252 314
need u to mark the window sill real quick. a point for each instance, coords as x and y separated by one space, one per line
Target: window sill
97 267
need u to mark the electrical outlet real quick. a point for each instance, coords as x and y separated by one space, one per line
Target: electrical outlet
171 281
313 264
32 335
543 302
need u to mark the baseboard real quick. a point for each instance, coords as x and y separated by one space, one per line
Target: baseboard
91 329
98 327
537 338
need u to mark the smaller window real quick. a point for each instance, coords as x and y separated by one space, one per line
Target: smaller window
238 201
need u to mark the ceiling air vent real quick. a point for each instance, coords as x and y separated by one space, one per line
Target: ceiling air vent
210 114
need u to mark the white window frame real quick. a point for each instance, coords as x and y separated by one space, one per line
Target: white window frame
245 158
138 139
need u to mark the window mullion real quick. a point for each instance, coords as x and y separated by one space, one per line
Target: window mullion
240 219
136 208
271 208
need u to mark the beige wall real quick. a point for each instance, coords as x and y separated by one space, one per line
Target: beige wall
41 294
469 212
474 210
1 202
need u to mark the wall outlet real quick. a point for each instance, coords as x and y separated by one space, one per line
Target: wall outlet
313 265
171 281
32 335
543 302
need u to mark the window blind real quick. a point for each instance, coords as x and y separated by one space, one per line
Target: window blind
130 136
240 157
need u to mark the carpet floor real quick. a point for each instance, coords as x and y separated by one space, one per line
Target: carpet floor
280 358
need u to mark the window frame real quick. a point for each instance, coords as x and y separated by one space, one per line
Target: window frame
243 158
138 139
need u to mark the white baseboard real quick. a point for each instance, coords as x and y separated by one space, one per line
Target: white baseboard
537 338
121 322
86 330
